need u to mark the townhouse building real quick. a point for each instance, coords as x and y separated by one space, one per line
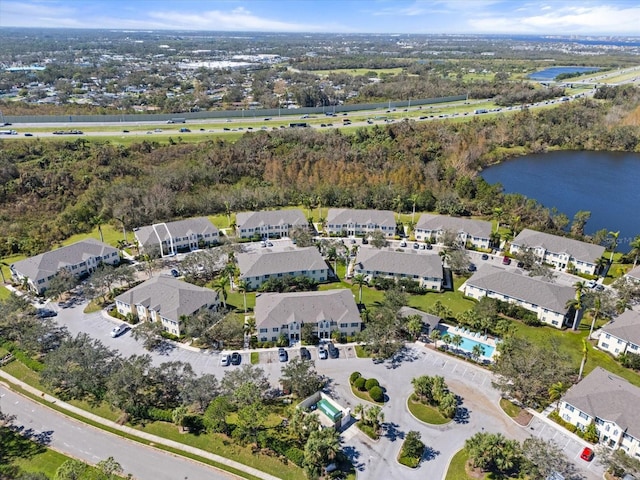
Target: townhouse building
269 223
621 335
171 238
360 223
469 232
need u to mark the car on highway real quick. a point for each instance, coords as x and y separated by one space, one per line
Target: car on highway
305 354
322 353
333 351
119 330
28 134
236 358
225 359
283 356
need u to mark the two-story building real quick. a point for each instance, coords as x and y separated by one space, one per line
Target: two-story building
469 232
547 300
561 252
258 267
286 313
424 268
360 223
621 335
165 300
80 258
170 238
611 403
269 223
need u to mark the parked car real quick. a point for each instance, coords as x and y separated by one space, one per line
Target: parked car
403 244
429 246
416 246
175 272
472 267
236 358
305 353
333 351
322 353
269 244
46 313
485 256
591 284
587 454
506 261
283 356
119 330
225 359
599 287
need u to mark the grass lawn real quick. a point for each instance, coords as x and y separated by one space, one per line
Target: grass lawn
457 467
236 300
255 358
4 293
411 462
426 413
364 396
361 352
509 408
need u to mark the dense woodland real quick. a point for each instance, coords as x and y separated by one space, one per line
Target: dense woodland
51 190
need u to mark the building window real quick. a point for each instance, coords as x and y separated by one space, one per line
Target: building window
583 415
275 329
569 407
264 330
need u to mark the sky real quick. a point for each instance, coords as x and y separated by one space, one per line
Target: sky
537 17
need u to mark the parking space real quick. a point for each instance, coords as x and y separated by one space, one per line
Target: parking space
467 372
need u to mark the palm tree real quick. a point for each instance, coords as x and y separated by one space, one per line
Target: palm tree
96 221
635 249
250 326
601 264
374 416
614 243
477 351
622 305
360 279
456 340
577 302
414 198
595 311
498 214
585 352
555 393
447 339
220 286
435 336
243 286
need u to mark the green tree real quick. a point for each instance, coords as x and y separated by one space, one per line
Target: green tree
585 353
301 377
435 335
215 417
321 448
456 341
492 452
414 326
477 351
377 239
243 287
635 249
71 470
251 420
576 303
178 416
412 446
359 279
220 286
613 243
555 393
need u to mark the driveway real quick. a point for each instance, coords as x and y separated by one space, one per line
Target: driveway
374 460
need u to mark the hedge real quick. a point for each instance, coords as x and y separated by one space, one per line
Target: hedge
359 384
369 384
295 455
376 394
160 415
354 376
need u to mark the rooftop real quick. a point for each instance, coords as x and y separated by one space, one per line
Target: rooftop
271 217
399 263
159 232
257 264
625 326
583 251
475 228
344 216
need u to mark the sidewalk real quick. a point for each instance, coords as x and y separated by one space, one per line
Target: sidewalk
136 433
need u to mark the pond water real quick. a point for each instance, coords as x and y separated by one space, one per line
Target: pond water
552 72
605 183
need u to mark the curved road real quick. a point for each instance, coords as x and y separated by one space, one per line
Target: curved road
91 444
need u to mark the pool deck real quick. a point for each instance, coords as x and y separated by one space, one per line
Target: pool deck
471 335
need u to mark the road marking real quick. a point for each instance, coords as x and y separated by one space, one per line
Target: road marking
454 368
444 363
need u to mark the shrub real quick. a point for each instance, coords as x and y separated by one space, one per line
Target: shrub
295 455
376 394
359 383
160 415
370 383
354 376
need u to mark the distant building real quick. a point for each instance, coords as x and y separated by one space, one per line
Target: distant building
326 311
426 269
170 238
269 223
621 335
547 300
611 403
468 231
258 267
80 258
429 321
561 252
165 300
351 222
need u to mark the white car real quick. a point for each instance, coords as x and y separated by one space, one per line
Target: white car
225 359
322 353
119 330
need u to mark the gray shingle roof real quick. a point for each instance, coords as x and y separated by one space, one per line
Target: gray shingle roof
158 232
256 264
276 309
169 296
625 326
400 263
548 295
583 251
48 263
609 397
291 217
431 320
475 228
341 216
634 273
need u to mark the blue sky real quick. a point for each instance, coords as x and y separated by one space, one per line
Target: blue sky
567 17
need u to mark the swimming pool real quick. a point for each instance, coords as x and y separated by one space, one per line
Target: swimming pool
468 343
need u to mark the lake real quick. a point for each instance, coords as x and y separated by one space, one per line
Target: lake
552 72
605 183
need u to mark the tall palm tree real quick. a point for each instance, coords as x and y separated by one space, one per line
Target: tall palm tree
243 286
585 352
3 264
360 279
435 335
250 326
456 340
498 213
96 221
414 198
555 393
446 338
635 249
220 286
614 243
477 351
595 311
577 302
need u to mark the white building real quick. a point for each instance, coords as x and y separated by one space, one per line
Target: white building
80 258
351 222
269 223
476 233
285 313
561 252
621 335
547 300
611 403
177 237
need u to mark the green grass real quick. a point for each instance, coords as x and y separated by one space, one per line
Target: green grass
236 300
454 300
255 358
456 469
361 352
359 71
426 413
411 462
510 408
364 396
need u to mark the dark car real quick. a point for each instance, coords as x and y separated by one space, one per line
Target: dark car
472 267
305 353
45 313
236 358
333 351
28 134
485 256
175 273
283 356
429 246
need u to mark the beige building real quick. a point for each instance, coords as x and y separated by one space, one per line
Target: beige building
352 222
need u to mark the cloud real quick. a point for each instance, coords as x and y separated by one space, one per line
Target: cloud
435 7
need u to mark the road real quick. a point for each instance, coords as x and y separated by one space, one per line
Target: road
92 444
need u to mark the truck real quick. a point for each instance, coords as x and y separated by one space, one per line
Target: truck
481 110
177 120
8 132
